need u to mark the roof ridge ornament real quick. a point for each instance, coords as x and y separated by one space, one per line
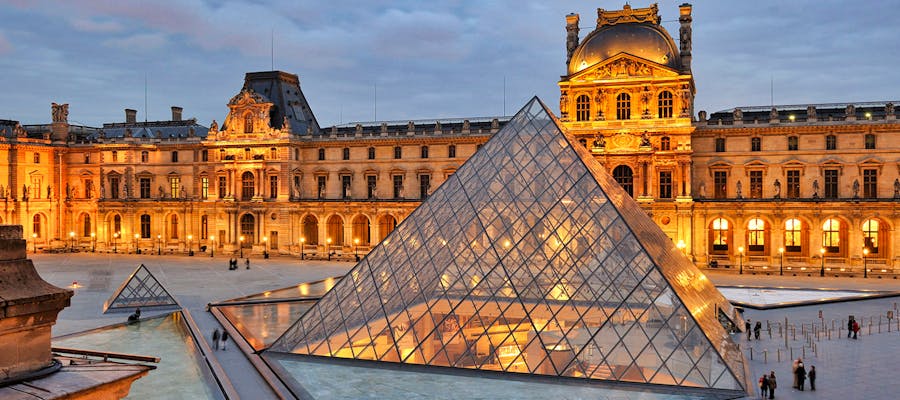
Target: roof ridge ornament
628 15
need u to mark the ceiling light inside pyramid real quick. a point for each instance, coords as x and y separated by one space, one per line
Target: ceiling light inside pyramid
530 259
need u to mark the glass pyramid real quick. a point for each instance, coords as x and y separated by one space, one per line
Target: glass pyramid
141 289
529 259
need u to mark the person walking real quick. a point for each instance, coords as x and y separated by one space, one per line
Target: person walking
756 329
850 321
224 338
855 328
812 377
747 327
794 367
247 263
215 338
772 384
763 386
801 376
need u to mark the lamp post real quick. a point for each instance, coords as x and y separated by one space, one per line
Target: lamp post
190 245
34 241
115 242
328 247
865 262
681 245
265 247
241 245
72 239
212 246
781 266
93 242
136 249
741 257
822 269
158 245
302 245
356 248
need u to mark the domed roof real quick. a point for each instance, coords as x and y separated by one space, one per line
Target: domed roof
646 40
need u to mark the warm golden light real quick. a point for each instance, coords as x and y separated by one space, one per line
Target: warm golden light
741 249
241 238
190 237
506 243
93 235
355 241
136 236
71 234
34 235
781 249
866 251
822 250
265 238
328 240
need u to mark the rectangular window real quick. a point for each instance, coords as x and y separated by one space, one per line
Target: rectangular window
424 151
756 184
87 158
204 188
345 153
451 151
424 186
114 187
720 145
115 156
831 142
273 187
145 226
174 156
831 183
145 187
793 143
398 186
204 155
720 179
296 190
222 187
345 186
371 153
37 158
793 184
320 185
89 188
175 186
870 142
398 152
204 227
370 186
756 144
665 184
870 183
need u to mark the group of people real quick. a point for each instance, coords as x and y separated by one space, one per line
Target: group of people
753 330
233 263
801 375
135 317
219 338
853 327
767 385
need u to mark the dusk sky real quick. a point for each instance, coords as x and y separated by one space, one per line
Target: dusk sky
428 59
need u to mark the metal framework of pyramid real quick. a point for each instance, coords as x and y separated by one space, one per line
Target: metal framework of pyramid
141 289
530 259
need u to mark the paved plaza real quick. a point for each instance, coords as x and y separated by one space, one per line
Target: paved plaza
847 368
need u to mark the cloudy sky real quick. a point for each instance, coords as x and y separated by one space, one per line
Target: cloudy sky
427 59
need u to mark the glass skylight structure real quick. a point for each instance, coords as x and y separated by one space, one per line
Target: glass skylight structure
530 259
141 289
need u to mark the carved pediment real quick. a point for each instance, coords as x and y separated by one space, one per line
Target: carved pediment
623 66
247 96
623 141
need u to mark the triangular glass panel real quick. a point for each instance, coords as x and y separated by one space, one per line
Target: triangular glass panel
140 290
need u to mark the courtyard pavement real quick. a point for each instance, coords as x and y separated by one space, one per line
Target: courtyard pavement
847 369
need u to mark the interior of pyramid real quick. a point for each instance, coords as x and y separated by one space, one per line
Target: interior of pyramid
141 289
529 259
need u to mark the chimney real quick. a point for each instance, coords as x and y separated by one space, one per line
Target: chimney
685 35
571 35
176 113
130 116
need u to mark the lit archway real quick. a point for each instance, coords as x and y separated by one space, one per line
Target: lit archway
310 230
335 230
361 230
248 229
386 224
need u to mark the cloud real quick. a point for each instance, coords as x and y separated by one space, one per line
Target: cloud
94 26
5 46
139 42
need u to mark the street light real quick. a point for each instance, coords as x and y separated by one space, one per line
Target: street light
865 262
34 241
72 238
328 248
356 250
781 266
681 245
159 245
302 245
741 252
241 240
93 242
265 247
190 245
212 246
136 249
115 238
822 269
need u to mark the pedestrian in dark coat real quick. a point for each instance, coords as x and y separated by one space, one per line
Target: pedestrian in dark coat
756 329
224 339
850 327
247 262
812 377
747 327
801 376
772 384
215 338
763 386
794 367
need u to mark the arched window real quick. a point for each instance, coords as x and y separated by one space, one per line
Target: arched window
583 108
720 234
310 230
665 144
335 230
361 230
870 235
665 104
625 177
756 235
145 226
386 224
173 227
623 106
792 236
36 225
86 225
248 123
831 236
204 227
247 185
117 224
248 230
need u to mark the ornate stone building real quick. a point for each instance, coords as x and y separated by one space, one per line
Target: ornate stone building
754 188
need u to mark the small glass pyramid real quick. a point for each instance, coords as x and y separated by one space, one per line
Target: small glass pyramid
529 259
141 289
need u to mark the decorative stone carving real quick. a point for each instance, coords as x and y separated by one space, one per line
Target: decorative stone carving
214 126
739 190
777 189
466 126
856 188
737 115
564 105
815 186
897 188
59 113
620 68
627 14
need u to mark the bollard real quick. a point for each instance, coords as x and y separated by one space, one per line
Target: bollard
870 326
793 333
879 324
765 356
803 351
778 354
792 352
770 332
751 354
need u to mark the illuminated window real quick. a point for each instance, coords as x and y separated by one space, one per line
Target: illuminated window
831 236
756 235
792 236
204 188
398 186
665 104
583 108
665 144
720 234
175 186
273 153
223 187
87 158
248 184
204 155
870 235
831 142
36 225
345 186
86 225
755 144
117 223
625 177
623 106
273 187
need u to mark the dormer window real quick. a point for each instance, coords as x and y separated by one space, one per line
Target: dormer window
248 123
